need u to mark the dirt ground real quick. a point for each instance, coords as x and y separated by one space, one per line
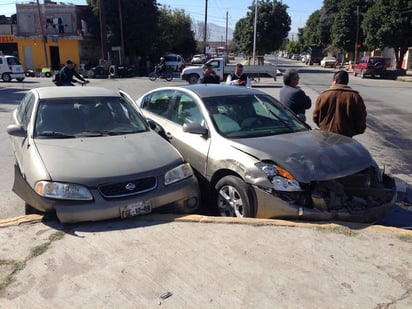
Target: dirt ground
203 262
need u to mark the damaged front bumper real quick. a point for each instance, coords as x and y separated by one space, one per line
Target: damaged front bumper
356 198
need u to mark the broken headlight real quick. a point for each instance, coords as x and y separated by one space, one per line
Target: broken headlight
280 178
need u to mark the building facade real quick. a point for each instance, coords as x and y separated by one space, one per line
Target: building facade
48 34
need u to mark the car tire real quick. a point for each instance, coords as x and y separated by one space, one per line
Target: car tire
354 73
30 210
234 198
6 77
152 76
193 79
362 74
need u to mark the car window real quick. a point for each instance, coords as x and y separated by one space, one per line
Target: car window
71 117
13 61
25 109
185 110
251 116
159 102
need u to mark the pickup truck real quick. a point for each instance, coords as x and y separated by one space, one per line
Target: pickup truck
193 73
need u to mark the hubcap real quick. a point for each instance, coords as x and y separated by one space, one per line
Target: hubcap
229 202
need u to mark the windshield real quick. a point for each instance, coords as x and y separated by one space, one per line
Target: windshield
91 116
251 115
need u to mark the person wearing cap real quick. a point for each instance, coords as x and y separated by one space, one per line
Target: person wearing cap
68 72
238 78
209 75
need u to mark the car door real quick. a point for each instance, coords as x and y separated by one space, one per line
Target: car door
23 117
183 108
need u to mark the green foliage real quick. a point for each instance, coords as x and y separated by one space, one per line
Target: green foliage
376 24
294 47
147 29
174 33
272 27
388 23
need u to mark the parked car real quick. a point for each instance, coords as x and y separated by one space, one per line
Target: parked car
295 57
198 59
370 66
176 62
259 160
314 54
328 62
88 154
11 68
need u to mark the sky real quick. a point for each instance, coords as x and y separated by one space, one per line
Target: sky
299 10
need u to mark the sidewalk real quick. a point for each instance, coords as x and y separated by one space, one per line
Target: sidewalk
203 262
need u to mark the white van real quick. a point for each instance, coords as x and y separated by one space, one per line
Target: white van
175 62
10 67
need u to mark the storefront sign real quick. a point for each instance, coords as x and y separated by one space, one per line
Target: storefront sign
5 38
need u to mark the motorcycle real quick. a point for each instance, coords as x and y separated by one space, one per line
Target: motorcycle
157 73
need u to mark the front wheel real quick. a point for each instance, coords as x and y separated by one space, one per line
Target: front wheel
168 76
152 76
235 198
193 79
6 77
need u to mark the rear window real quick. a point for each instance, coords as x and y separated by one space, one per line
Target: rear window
171 58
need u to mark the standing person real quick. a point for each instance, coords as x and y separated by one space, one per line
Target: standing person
238 78
293 96
67 72
340 109
209 76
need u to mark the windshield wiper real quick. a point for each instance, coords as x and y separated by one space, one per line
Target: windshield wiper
55 134
273 114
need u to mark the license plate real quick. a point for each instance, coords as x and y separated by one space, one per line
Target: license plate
137 209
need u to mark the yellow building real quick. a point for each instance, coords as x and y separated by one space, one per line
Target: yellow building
64 31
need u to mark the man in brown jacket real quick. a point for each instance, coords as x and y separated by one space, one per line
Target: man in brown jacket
340 109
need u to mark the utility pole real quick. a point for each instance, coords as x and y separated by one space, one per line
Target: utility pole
121 33
357 35
226 31
254 32
205 30
43 35
103 33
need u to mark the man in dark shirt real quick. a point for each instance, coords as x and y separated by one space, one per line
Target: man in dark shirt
238 78
293 96
209 76
67 73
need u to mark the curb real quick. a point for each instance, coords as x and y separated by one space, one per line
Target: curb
34 218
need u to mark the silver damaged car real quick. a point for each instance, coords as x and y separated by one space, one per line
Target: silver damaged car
257 159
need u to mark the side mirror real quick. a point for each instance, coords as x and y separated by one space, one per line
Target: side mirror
16 130
194 128
151 123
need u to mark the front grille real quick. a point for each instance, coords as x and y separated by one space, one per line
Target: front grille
127 188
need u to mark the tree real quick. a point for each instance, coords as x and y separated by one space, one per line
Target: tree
272 27
312 32
388 23
174 32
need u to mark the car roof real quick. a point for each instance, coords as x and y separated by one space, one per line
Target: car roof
215 90
69 91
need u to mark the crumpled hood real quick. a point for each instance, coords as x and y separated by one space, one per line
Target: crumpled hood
88 160
310 155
